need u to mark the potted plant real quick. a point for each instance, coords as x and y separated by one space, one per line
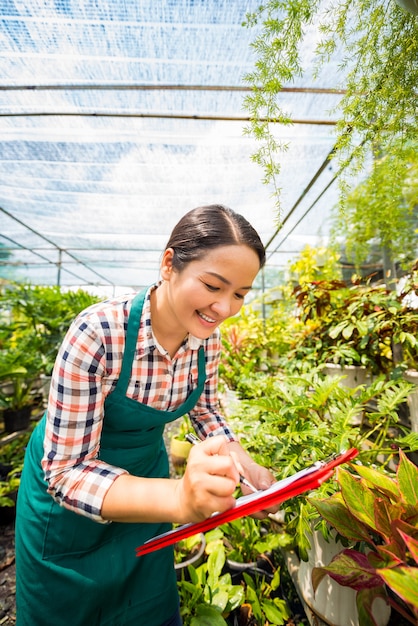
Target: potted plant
263 605
15 398
249 547
189 551
207 595
210 596
179 446
377 514
357 325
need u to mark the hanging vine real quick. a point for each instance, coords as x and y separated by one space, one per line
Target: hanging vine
379 75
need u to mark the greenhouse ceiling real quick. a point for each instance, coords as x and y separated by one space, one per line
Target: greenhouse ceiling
118 116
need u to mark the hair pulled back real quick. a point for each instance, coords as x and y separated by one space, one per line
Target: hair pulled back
209 227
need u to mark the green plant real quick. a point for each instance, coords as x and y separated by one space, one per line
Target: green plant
265 606
243 349
382 211
15 393
40 316
247 539
20 366
361 324
378 74
295 421
11 463
209 595
378 513
13 452
184 427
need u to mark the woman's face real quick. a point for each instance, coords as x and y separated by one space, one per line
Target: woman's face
208 291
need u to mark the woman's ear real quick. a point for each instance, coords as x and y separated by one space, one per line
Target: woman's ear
166 268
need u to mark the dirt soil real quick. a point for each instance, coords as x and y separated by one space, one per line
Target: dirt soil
7 576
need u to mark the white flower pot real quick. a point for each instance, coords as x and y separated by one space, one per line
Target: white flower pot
332 603
354 375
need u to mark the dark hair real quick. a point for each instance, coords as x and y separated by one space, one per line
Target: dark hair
208 227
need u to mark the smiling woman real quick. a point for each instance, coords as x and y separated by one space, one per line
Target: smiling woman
96 468
208 266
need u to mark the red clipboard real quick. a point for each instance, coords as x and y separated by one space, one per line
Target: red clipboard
304 480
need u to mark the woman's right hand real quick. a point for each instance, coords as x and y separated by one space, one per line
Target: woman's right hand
209 481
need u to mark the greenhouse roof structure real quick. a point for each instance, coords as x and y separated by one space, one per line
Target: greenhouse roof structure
118 116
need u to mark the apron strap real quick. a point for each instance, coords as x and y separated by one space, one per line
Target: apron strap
129 354
131 339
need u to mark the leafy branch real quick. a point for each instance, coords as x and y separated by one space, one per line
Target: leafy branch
378 74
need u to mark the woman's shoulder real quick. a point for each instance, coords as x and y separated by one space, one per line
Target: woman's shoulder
107 318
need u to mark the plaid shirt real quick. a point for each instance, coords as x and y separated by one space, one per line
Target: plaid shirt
86 371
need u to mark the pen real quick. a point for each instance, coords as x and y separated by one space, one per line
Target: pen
194 440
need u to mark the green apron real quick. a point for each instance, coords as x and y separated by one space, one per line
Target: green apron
72 571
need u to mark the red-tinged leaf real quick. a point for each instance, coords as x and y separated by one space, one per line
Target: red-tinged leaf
382 482
350 569
412 545
364 601
408 529
407 475
358 497
389 555
410 514
404 582
335 511
385 513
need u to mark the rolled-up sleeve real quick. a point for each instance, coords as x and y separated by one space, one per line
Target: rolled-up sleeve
206 416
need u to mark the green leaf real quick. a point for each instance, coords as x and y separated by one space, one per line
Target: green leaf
215 563
359 498
192 573
275 612
381 481
334 332
251 598
207 616
302 531
407 475
236 596
385 513
335 511
348 331
404 582
220 599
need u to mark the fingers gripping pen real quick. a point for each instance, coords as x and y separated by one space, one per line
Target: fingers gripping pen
194 440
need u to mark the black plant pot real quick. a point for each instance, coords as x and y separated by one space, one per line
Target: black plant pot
16 419
195 559
263 567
